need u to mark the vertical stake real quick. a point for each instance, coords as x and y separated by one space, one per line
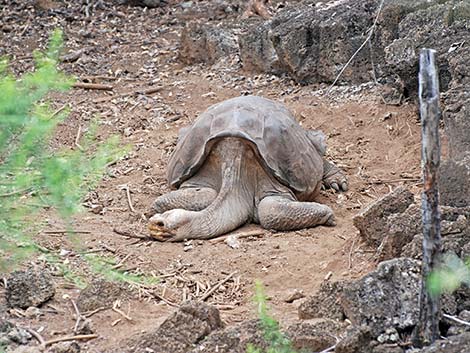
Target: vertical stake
427 330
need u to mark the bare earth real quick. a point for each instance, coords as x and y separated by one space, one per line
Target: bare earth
132 50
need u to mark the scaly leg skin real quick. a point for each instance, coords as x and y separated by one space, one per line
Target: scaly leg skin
333 177
190 198
282 213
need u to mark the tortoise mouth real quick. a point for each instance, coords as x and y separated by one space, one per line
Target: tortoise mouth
159 232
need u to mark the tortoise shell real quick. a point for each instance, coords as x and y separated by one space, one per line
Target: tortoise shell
282 145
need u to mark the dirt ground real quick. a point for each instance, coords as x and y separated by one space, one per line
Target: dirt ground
133 50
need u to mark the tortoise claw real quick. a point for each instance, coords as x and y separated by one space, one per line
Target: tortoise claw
335 186
158 231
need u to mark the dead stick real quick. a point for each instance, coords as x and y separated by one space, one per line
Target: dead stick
37 336
97 86
456 319
329 349
15 192
378 182
120 263
120 312
214 288
129 93
70 338
350 253
129 201
77 313
67 231
77 138
91 313
239 235
163 299
59 110
128 234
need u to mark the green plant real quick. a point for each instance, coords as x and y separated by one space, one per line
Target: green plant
451 274
33 176
278 342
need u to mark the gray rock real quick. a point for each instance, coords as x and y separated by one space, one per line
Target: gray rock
439 27
400 230
313 43
453 344
462 298
11 334
325 303
234 339
356 340
372 221
314 336
454 182
455 230
180 332
385 298
143 3
201 42
457 122
64 347
101 293
387 348
29 288
257 51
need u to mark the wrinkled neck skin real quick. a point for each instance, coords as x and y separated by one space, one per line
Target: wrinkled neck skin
234 204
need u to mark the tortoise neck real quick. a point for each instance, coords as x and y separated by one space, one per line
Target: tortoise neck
234 204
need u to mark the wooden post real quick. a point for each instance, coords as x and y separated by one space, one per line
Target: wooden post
427 330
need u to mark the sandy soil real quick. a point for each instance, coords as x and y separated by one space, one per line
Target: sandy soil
133 50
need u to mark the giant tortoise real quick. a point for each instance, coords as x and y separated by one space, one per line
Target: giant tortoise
245 159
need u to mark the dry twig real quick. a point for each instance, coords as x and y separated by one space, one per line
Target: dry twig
215 287
456 319
36 335
239 235
120 312
130 93
70 338
128 196
97 86
77 314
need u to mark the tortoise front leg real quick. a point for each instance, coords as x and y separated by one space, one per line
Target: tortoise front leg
189 198
333 177
282 213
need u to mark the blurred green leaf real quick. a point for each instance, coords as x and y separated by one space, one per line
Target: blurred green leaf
33 176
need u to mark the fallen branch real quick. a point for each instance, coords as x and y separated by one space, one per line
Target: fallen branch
70 338
120 312
238 235
129 200
77 313
163 299
329 349
127 233
456 319
215 287
96 86
37 336
129 93
13 193
391 181
93 312
371 31
67 231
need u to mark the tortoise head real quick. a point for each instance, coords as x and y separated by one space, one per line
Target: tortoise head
171 225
